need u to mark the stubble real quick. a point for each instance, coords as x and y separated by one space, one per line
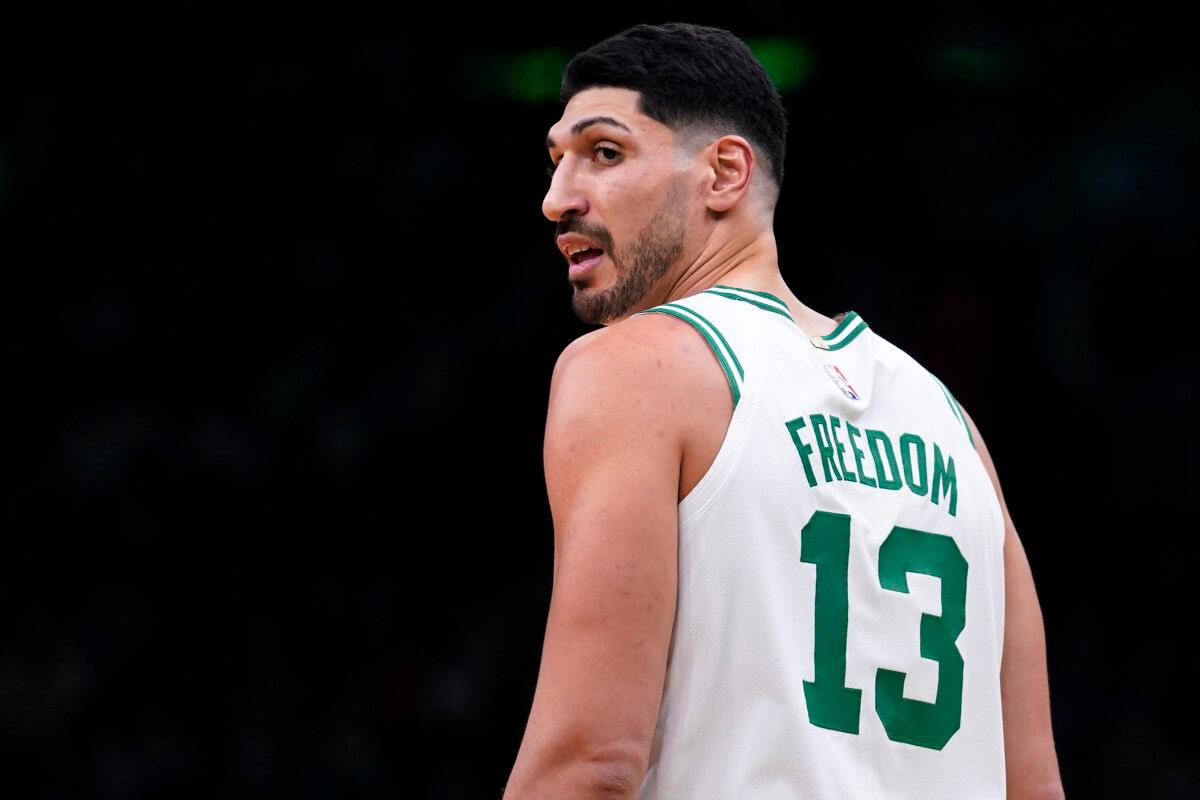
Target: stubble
639 266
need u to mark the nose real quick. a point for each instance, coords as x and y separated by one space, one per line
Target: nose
564 196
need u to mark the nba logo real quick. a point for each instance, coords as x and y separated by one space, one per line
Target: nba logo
841 381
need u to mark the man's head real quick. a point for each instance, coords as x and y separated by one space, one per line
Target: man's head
665 131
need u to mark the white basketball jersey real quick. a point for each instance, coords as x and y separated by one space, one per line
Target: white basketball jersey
840 616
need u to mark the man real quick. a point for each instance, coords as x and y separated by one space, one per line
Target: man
783 566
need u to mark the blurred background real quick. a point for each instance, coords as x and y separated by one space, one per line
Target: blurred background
280 312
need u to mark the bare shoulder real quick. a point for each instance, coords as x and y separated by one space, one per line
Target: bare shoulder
659 334
650 356
649 375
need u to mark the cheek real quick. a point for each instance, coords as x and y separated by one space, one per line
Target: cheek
627 210
635 188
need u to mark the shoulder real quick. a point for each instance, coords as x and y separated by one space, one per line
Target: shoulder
648 375
650 353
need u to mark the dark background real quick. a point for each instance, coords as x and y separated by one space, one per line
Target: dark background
280 312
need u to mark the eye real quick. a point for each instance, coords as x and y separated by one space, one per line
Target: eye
613 150
616 155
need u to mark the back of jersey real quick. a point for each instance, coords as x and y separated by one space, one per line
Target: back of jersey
840 615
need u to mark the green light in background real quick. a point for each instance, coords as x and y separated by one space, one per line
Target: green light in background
971 65
534 76
787 61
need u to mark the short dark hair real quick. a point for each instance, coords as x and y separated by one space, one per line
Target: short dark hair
689 76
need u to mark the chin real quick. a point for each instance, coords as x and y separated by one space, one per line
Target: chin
592 306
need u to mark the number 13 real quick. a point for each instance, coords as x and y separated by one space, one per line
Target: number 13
825 543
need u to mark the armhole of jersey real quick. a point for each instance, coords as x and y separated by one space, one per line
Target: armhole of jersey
728 360
954 408
731 447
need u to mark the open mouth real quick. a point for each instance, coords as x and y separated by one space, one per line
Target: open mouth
585 259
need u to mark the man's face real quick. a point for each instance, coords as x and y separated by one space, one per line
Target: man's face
618 186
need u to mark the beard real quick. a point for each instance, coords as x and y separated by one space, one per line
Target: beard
639 266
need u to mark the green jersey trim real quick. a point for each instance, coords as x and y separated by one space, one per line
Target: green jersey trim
846 331
954 407
763 300
717 331
720 347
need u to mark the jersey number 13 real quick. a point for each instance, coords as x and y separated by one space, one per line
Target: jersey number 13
825 543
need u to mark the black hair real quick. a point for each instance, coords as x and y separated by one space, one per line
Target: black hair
689 77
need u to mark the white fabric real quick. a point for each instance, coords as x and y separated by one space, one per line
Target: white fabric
734 724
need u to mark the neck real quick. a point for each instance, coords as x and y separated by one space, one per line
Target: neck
749 262
751 258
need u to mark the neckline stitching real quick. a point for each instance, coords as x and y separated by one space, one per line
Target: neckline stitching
851 320
781 311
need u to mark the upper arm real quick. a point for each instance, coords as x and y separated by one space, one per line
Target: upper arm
1031 765
612 457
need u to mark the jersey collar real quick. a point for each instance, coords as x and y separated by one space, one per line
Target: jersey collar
849 326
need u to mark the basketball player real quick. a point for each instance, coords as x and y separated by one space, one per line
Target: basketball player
783 565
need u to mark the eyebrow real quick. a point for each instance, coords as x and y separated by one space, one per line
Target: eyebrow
580 126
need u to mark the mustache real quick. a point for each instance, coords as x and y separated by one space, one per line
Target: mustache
598 234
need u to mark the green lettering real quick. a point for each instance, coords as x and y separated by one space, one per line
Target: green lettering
805 450
834 424
922 486
943 478
821 433
866 480
875 439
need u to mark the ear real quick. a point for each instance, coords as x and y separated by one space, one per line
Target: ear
732 161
